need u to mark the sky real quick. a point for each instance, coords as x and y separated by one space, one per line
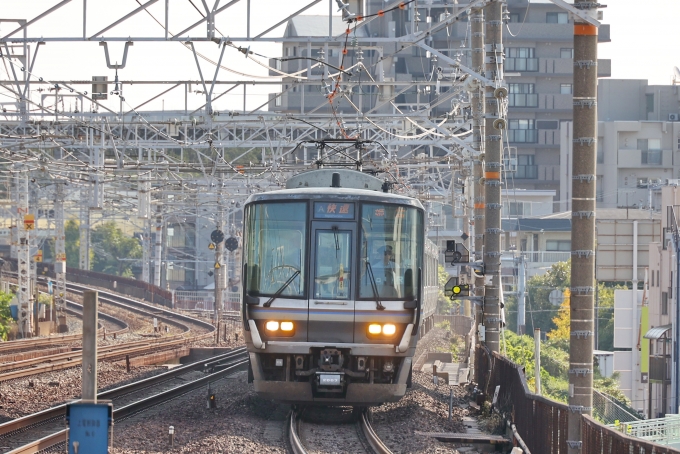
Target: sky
644 36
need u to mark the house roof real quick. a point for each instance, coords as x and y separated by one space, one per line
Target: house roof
656 333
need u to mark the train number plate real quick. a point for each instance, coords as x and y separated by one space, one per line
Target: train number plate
329 380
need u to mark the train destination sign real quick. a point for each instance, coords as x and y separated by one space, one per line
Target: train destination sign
333 210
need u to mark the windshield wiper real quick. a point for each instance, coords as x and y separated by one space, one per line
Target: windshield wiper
374 286
281 289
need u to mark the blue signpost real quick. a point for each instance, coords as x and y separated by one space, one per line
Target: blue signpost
89 425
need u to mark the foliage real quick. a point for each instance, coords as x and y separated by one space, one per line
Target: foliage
562 322
554 367
6 320
72 234
540 310
444 304
45 299
112 248
605 319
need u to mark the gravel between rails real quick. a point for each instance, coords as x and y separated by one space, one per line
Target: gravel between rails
243 422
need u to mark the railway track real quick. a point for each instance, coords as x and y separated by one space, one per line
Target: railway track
65 360
335 429
44 429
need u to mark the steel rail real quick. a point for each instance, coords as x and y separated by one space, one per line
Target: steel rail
71 359
293 437
373 440
59 410
136 407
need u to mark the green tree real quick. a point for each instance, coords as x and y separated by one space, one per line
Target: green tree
540 311
5 315
112 247
72 234
605 317
444 304
562 321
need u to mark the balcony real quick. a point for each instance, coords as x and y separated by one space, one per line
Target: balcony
542 257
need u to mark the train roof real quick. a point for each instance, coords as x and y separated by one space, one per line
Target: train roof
334 193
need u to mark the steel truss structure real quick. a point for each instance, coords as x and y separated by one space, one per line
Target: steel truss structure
156 169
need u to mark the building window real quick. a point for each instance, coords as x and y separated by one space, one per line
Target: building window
518 208
277 101
567 52
522 95
664 303
650 103
565 89
514 18
600 152
522 131
558 245
651 151
547 124
526 167
557 18
521 59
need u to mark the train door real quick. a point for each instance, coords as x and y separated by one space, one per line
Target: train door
331 303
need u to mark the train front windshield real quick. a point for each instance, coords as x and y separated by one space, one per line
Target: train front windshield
276 248
390 251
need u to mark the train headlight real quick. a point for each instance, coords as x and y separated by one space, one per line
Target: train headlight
389 329
286 326
272 325
374 328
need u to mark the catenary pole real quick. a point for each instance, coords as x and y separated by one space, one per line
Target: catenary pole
583 226
492 172
478 110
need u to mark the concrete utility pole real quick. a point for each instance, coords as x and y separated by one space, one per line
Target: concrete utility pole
59 249
537 362
24 292
159 245
90 303
492 173
521 293
143 212
583 225
84 228
478 112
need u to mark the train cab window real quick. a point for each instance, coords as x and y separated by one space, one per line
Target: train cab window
276 248
332 276
391 251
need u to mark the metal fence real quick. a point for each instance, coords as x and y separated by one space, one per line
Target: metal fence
609 410
599 439
204 300
542 423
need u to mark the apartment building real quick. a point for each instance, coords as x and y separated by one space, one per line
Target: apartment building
637 145
538 42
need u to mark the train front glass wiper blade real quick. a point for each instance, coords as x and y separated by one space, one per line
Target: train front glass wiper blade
374 286
281 289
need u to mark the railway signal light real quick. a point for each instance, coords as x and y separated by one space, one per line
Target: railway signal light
456 253
453 289
460 290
